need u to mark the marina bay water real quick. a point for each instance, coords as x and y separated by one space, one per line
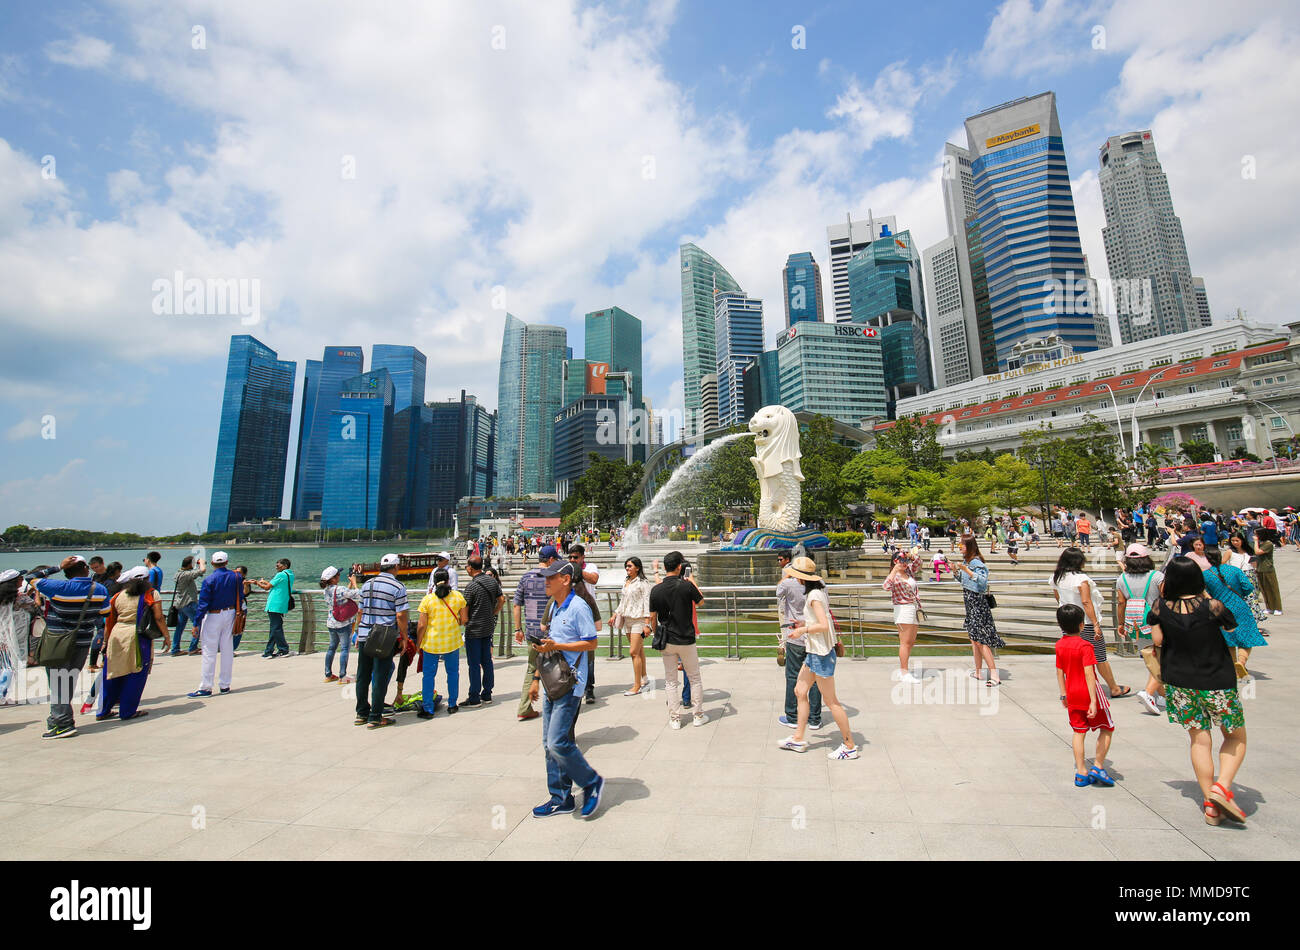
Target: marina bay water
308 560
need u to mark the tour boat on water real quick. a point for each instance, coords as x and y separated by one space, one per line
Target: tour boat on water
417 566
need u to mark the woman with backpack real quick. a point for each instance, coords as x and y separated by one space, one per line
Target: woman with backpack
342 604
1229 586
135 616
441 634
1136 591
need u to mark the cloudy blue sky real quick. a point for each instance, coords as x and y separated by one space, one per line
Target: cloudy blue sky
557 150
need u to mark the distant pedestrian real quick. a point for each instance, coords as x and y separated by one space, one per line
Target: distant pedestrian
529 607
1200 683
979 625
441 634
672 603
17 609
151 562
790 598
1229 586
221 597
817 628
76 605
483 600
902 588
280 592
342 605
1136 591
1083 699
1084 525
442 561
584 585
185 598
1242 556
1268 575
241 614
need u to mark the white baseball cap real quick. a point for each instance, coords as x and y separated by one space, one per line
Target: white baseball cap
329 573
220 557
9 575
443 555
132 574
389 560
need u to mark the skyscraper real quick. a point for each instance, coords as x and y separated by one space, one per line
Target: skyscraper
708 402
762 381
358 447
738 328
529 394
949 344
463 457
802 279
253 435
702 276
885 291
406 501
337 364
1202 301
613 336
1025 212
832 369
846 240
1144 242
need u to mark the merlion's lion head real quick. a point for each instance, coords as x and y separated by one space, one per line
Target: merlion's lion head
776 439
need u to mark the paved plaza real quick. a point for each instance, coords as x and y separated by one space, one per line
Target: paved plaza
276 770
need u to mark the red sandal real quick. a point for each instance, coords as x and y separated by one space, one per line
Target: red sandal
1214 819
1223 798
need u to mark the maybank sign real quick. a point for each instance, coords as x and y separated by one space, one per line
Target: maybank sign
1006 137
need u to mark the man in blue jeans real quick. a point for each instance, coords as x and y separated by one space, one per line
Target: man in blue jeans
572 632
383 601
484 599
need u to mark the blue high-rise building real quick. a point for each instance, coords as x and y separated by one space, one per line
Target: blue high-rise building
406 503
253 435
319 399
738 339
357 448
803 289
613 336
530 392
702 277
1024 209
463 461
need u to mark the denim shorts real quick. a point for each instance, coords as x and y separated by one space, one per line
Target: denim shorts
821 665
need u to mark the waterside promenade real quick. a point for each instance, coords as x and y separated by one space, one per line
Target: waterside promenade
949 770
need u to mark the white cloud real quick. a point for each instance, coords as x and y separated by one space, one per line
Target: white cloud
886 109
84 52
23 429
1026 39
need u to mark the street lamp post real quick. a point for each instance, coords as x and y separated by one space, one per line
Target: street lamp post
1133 416
1119 423
1245 394
1047 498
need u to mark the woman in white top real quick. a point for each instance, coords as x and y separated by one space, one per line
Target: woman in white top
1241 555
820 640
633 616
1072 586
337 600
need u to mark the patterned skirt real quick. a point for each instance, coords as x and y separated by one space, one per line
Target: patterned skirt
1204 708
979 620
1256 600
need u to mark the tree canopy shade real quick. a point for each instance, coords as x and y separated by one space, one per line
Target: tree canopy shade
915 442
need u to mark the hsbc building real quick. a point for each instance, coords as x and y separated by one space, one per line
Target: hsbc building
833 369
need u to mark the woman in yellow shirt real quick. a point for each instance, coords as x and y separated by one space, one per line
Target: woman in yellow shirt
441 634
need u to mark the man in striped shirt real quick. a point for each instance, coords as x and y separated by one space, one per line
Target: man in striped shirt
383 601
76 604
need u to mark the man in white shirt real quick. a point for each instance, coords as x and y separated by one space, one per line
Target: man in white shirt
443 563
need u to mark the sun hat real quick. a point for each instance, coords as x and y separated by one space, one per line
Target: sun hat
9 575
389 560
804 568
1137 550
329 573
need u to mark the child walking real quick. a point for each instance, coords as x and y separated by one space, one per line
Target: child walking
1088 706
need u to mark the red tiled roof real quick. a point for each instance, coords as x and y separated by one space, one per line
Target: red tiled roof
1120 383
527 523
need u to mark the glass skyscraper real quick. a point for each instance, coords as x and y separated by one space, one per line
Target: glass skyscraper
356 449
253 435
406 504
833 369
738 339
702 276
319 399
464 456
802 279
1025 212
613 336
529 394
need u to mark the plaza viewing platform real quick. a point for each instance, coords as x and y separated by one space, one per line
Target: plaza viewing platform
949 769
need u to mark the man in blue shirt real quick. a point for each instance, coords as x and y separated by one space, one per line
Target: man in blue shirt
529 604
155 572
77 605
221 595
572 632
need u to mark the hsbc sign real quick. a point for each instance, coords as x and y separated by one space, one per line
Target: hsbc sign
851 329
855 330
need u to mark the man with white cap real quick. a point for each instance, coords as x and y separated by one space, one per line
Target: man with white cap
443 562
220 596
383 601
76 605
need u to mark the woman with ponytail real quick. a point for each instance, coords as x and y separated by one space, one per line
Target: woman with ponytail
441 634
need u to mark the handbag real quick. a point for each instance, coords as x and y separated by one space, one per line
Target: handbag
342 610
173 617
558 677
381 642
55 650
1151 657
146 625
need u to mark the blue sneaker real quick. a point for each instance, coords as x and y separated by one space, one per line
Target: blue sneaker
794 723
1100 777
555 808
199 692
591 799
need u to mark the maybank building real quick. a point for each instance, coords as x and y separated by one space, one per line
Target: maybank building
834 369
1024 210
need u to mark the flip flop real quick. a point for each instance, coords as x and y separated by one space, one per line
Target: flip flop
1124 691
1223 798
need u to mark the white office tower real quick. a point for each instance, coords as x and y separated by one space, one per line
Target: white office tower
958 188
846 240
708 403
1145 250
949 346
1202 301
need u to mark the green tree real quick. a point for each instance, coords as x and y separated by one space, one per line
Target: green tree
1197 451
964 493
610 485
915 442
877 477
824 458
1240 453
923 489
1010 482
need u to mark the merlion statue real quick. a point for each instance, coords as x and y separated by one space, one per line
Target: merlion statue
776 461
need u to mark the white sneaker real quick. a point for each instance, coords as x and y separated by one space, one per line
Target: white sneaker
1277 613
843 752
1145 699
700 719
675 723
792 744
910 677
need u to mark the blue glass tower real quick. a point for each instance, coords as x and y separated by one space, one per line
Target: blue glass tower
738 339
337 364
310 385
253 436
406 503
702 277
1025 212
803 289
463 458
529 394
356 446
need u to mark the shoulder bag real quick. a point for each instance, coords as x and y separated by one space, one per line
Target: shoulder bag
146 625
381 642
55 650
558 677
342 610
